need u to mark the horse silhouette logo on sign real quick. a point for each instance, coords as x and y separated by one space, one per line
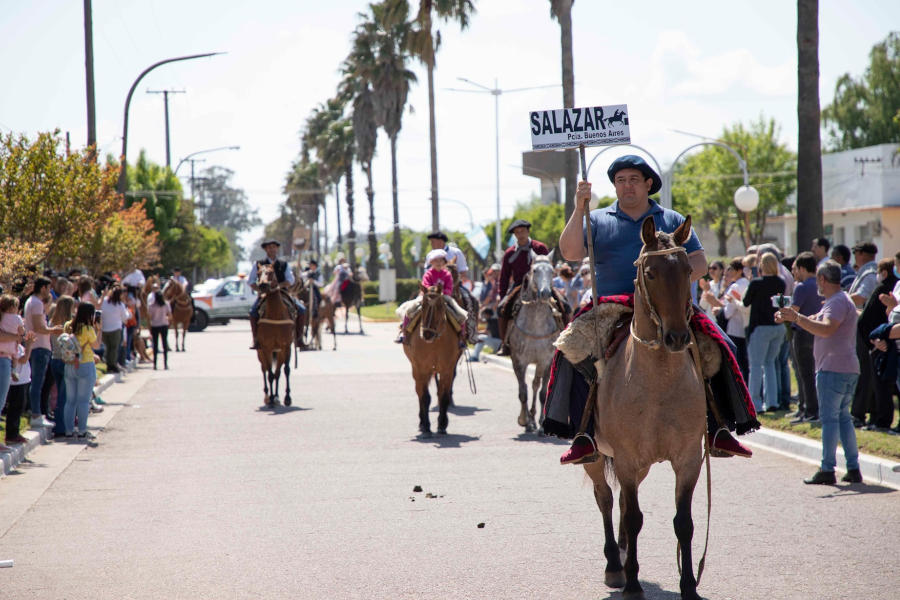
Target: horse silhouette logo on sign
618 117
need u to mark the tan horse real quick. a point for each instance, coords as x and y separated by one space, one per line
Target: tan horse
433 351
182 309
650 407
274 337
312 325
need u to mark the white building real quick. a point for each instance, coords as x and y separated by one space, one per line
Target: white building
861 201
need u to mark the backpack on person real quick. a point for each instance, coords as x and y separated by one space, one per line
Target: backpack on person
69 348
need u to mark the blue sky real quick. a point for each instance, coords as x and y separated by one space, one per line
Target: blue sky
695 66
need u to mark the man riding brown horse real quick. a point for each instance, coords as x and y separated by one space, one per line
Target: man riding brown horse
617 244
283 275
515 266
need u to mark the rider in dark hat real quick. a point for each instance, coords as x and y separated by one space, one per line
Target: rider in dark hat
617 243
283 275
515 265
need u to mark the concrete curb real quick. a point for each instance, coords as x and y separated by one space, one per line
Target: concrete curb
875 470
39 435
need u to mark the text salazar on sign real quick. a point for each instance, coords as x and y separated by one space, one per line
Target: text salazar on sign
573 127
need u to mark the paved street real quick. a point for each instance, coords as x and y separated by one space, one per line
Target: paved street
194 492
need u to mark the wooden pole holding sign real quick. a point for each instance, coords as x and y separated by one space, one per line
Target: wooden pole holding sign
590 233
577 128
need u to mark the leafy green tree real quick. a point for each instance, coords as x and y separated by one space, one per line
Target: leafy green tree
704 183
224 207
424 43
52 204
866 111
160 191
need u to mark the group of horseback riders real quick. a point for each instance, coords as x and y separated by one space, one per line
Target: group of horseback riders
617 244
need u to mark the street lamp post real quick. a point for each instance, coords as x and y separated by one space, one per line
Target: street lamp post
192 154
123 175
496 92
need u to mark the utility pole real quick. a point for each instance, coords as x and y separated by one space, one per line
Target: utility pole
165 94
89 78
192 161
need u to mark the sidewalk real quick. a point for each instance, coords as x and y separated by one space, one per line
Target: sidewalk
874 470
40 435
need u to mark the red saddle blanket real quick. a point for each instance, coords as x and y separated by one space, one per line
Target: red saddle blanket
699 322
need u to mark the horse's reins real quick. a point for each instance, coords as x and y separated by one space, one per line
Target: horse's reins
428 312
641 290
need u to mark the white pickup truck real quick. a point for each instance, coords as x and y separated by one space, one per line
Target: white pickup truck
218 300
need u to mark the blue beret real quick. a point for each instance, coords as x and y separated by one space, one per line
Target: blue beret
631 161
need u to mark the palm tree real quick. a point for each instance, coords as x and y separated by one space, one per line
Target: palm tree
316 137
424 45
356 88
561 10
809 144
390 85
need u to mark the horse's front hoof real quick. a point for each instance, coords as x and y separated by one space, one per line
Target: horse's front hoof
635 592
287 400
614 579
425 435
523 421
442 431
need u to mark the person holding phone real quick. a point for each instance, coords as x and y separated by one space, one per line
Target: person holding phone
764 296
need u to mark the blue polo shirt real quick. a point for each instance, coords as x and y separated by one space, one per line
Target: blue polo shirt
617 244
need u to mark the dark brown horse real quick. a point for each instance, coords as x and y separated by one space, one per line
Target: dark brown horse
182 309
274 337
351 297
650 407
433 351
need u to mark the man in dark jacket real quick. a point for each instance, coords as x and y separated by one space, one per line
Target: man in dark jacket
515 265
283 274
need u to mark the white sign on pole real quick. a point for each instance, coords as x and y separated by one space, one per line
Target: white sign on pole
574 127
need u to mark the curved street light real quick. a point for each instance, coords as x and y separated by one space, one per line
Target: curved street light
192 154
123 168
746 198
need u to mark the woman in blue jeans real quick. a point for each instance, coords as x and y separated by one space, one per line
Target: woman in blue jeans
81 375
766 336
62 314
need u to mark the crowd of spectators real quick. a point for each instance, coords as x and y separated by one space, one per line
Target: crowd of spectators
828 314
55 328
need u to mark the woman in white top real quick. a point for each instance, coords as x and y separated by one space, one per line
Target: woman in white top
731 305
712 288
113 317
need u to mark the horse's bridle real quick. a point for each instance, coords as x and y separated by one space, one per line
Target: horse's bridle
428 311
537 300
640 288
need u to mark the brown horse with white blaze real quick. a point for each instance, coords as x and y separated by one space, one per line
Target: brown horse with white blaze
433 351
650 407
182 309
274 337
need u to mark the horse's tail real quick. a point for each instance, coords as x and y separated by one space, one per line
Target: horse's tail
609 471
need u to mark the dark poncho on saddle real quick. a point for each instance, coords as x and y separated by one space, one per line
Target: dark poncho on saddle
567 394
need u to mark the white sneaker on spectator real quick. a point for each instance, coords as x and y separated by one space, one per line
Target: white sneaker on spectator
41 421
120 377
